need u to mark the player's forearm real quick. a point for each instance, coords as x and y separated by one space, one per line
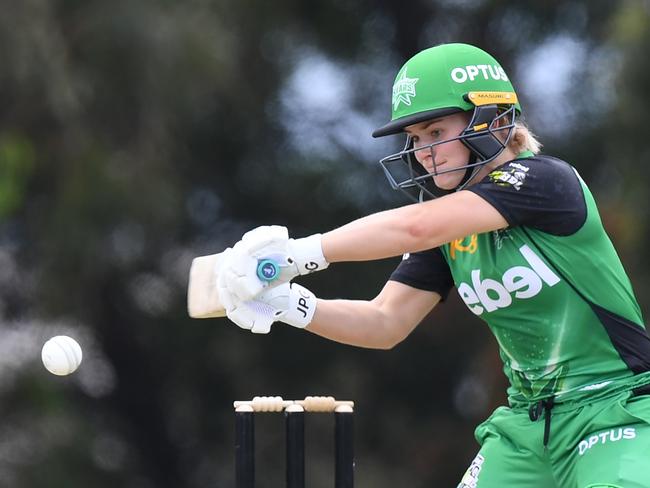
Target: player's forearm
390 233
411 228
377 236
354 322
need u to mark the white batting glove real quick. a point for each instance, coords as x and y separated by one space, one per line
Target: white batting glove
238 280
289 303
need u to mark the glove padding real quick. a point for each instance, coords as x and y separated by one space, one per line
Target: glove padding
289 303
238 280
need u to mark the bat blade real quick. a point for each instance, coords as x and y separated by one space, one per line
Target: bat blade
202 294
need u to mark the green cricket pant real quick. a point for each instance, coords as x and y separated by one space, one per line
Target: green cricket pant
591 445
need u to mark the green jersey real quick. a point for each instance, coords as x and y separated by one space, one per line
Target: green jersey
550 287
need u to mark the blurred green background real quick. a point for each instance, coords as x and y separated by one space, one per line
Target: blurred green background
135 135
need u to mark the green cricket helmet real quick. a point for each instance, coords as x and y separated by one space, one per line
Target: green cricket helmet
440 81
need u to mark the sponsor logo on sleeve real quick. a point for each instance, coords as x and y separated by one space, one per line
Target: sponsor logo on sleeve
514 175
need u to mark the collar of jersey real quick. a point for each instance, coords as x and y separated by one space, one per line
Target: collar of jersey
525 154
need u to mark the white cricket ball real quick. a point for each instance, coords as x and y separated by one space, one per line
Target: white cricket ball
61 355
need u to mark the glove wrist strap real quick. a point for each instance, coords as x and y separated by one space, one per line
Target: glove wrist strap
308 254
302 306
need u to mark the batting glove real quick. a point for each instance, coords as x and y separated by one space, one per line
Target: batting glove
289 303
238 279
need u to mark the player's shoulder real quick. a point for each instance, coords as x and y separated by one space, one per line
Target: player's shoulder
539 168
537 191
544 163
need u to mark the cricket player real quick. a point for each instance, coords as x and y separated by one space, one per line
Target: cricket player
519 236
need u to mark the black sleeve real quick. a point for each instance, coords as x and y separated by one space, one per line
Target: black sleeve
541 192
425 270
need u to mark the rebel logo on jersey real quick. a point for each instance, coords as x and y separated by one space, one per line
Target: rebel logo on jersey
488 295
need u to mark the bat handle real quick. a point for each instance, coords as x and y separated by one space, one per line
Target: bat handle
268 270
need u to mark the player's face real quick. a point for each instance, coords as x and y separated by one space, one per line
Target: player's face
443 157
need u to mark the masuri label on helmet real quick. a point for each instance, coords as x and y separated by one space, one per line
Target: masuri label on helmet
488 98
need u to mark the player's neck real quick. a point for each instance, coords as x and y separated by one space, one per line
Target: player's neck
506 155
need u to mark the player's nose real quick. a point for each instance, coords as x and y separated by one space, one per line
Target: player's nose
425 156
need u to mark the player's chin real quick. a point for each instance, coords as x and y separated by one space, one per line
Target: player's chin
448 181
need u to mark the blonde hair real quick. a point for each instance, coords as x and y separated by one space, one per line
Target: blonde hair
524 140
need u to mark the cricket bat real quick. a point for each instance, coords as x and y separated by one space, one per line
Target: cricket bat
202 293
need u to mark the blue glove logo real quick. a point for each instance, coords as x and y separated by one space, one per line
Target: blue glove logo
267 270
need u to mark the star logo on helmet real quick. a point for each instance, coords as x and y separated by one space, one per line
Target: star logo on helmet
403 89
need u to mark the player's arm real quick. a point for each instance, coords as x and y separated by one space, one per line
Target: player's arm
380 323
416 286
385 234
412 228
